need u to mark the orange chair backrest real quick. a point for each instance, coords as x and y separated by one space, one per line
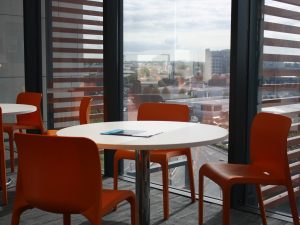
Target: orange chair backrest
34 118
85 109
58 174
163 112
268 142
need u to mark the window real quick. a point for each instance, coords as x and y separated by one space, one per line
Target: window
279 86
176 52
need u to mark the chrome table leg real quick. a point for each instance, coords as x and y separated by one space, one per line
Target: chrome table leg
142 187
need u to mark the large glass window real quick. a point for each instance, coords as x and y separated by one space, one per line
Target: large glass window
279 86
176 52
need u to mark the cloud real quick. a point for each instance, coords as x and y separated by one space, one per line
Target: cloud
143 46
180 14
167 25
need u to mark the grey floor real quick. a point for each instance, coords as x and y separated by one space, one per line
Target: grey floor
182 212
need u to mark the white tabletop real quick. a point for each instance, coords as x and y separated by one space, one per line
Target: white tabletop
16 108
174 134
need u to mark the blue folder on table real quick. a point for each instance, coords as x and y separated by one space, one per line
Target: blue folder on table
133 133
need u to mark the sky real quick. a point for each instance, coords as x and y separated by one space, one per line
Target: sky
181 28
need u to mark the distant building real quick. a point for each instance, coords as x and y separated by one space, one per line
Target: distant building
216 62
198 68
221 80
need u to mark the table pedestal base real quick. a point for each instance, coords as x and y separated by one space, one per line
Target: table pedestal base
142 187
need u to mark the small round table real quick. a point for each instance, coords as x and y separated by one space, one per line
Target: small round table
171 135
13 109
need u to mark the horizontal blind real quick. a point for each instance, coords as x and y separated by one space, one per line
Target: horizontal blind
76 60
280 86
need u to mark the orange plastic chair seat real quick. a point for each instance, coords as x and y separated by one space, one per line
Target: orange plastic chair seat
111 198
235 173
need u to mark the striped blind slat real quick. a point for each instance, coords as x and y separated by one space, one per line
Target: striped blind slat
75 89
280 72
77 60
280 199
281 101
77 79
72 99
280 86
281 43
77 21
59 9
291 2
76 118
77 41
76 31
81 2
74 70
273 11
273 189
294 153
281 58
281 28
77 50
76 109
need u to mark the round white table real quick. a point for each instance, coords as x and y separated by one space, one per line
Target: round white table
15 109
173 135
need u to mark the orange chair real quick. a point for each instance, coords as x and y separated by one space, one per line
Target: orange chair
27 121
84 114
63 175
2 164
269 165
162 112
